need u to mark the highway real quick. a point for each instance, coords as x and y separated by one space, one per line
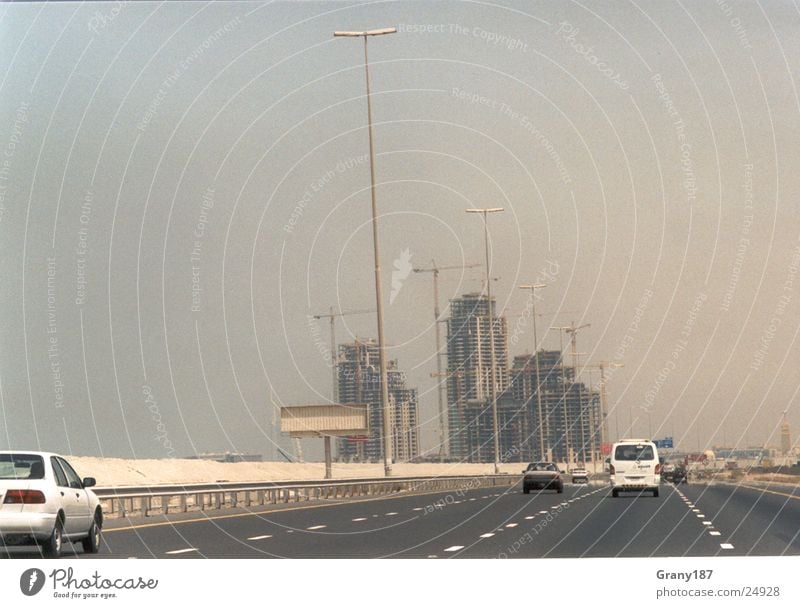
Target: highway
584 521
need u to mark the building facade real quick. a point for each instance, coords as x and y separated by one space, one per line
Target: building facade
359 382
472 326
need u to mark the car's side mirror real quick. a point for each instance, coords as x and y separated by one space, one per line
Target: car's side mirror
88 482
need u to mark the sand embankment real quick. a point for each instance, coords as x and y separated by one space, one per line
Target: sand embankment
123 472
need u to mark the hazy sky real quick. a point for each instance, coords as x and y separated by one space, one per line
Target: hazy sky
182 184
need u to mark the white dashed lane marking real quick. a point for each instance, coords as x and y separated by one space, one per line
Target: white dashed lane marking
179 551
260 537
726 546
714 533
360 519
316 527
487 535
511 525
392 513
454 548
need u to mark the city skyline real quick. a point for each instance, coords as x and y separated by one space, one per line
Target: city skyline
184 188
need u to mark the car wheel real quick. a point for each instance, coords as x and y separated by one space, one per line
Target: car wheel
615 493
53 545
655 493
91 544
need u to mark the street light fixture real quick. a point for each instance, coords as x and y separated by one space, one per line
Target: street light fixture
387 418
533 289
493 383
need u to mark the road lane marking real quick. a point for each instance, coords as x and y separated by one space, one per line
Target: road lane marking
392 513
696 510
511 525
487 535
530 517
433 556
360 519
707 523
179 551
543 512
714 533
700 515
316 527
260 537
454 548
726 545
792 496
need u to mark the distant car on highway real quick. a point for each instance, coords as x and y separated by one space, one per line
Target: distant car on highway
635 467
666 471
580 475
679 475
43 501
542 475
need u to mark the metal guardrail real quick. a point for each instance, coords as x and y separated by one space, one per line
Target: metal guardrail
161 500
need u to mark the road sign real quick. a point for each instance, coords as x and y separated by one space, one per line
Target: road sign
665 443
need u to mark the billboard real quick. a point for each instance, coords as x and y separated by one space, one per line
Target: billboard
318 420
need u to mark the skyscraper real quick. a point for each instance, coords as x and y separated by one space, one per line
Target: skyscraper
472 324
359 382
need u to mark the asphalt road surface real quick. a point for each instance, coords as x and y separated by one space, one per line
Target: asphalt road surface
584 521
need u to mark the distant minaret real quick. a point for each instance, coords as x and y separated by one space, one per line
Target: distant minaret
786 436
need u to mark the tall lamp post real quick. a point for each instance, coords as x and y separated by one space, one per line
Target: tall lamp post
533 289
387 418
485 212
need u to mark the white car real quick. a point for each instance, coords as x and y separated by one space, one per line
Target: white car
634 467
580 475
43 501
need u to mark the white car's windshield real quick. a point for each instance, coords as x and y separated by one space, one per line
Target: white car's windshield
634 452
21 466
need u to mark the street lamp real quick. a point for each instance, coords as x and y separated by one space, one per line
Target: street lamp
493 383
387 419
533 289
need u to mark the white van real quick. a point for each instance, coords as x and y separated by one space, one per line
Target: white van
634 467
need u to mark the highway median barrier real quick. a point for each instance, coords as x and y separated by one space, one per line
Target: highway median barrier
146 501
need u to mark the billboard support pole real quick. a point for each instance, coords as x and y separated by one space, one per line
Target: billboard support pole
328 464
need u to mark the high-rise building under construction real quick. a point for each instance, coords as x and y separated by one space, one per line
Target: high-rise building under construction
469 372
570 420
359 381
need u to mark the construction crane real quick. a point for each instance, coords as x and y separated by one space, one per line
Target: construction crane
602 365
435 270
573 330
334 359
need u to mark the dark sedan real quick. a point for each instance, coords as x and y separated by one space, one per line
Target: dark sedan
542 476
